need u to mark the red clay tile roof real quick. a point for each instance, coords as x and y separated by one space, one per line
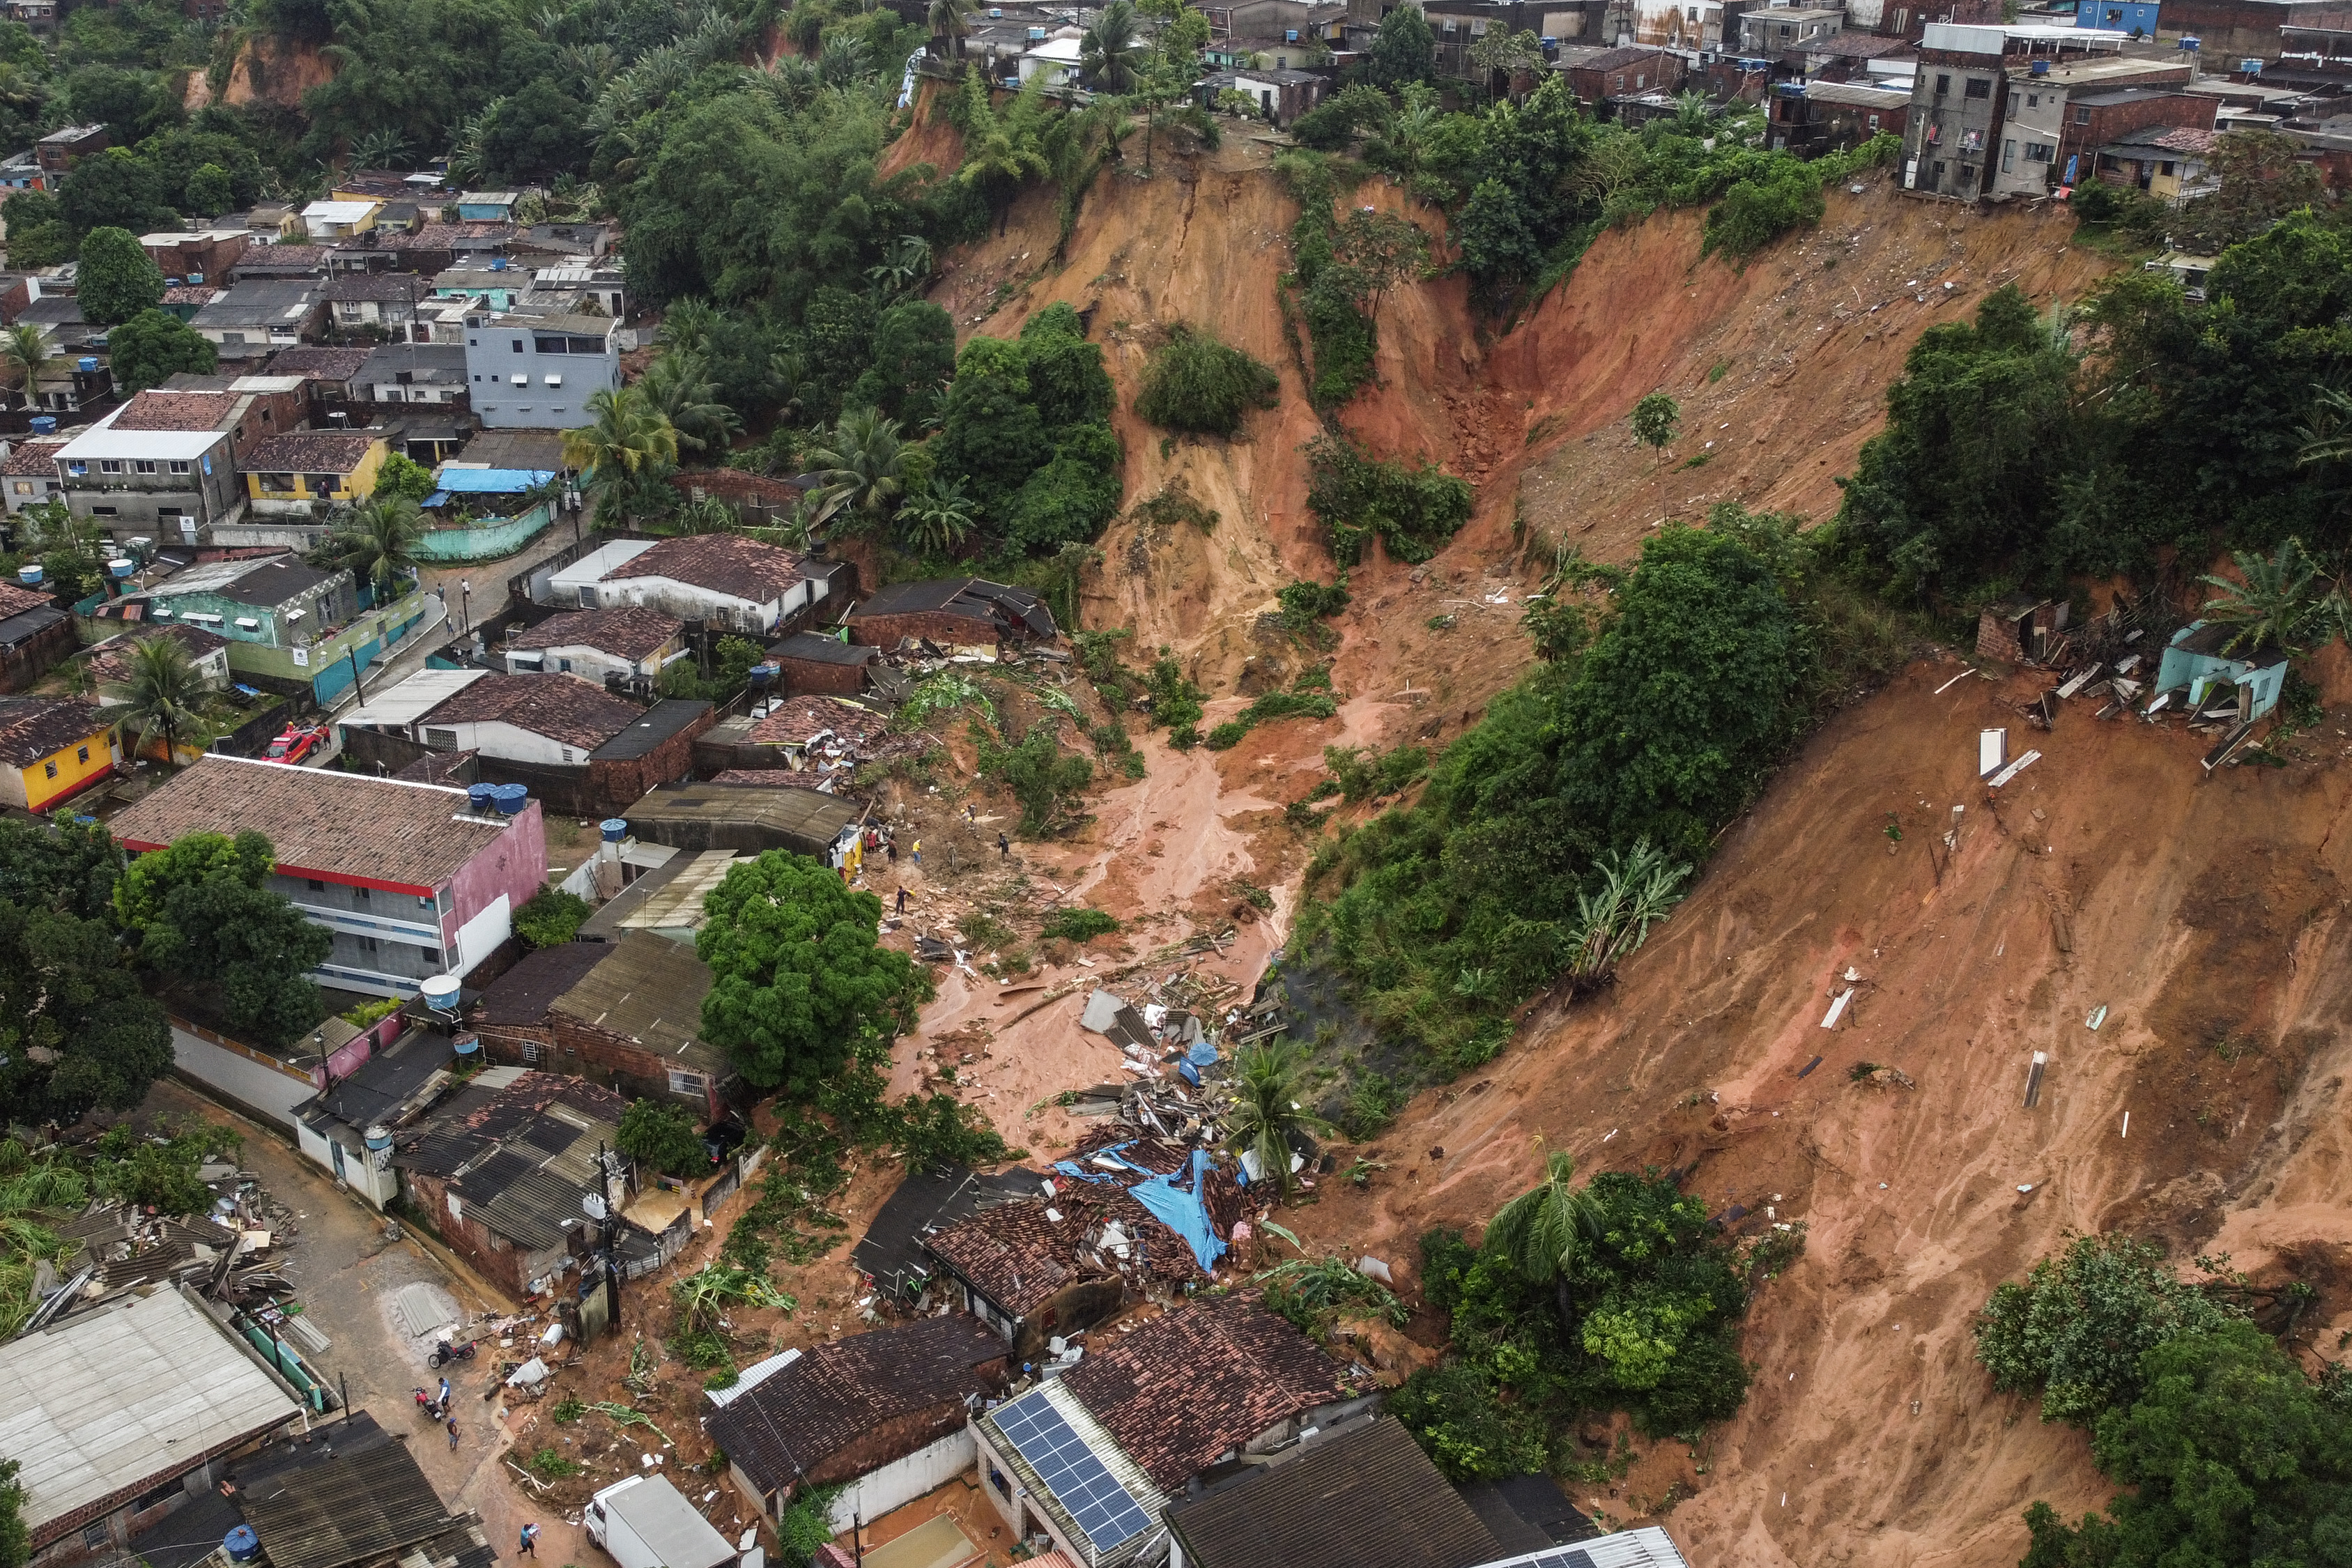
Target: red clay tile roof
801 718
722 562
2188 139
764 778
563 707
625 633
281 256
318 361
159 410
1016 1255
343 824
309 452
1184 1387
35 455
834 1394
16 599
32 727
191 294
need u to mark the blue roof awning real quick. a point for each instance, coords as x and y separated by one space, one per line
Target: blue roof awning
438 497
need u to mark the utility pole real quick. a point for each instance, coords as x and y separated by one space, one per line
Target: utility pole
352 653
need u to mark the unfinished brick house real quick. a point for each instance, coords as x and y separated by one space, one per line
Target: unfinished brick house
624 1015
960 612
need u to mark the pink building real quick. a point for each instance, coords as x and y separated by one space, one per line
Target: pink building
411 879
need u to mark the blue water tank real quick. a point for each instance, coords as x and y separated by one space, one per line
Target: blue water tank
241 1544
468 1046
498 264
511 798
615 828
87 363
29 575
440 992
44 424
481 797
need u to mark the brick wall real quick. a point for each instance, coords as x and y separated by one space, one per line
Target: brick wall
272 414
2111 120
493 1257
808 675
887 631
615 785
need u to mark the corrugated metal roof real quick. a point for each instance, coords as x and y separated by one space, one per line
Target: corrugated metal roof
354 1508
1648 1547
119 1399
1365 1496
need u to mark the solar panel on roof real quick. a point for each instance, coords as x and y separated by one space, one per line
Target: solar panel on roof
1077 1479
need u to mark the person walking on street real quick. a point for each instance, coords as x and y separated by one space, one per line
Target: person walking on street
445 1396
529 1546
1003 848
452 1434
465 602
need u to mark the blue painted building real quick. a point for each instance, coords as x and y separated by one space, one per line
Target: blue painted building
2194 664
2137 17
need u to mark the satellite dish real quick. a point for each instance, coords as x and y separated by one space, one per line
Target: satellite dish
592 1206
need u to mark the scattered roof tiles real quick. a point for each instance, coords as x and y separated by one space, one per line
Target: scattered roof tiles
35 455
834 1395
310 452
159 410
797 720
32 728
275 257
1013 1254
2188 139
318 361
190 294
994 606
563 707
722 562
1365 1496
16 599
1182 1388
630 633
343 824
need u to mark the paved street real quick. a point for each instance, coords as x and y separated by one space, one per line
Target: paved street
346 1276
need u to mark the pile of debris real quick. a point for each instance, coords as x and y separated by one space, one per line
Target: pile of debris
231 1252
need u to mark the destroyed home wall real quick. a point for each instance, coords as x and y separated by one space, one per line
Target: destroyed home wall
823 677
940 626
583 1050
1074 1309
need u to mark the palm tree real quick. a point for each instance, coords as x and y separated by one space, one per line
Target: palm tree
376 540
686 326
25 347
1544 1228
628 434
680 385
379 150
951 20
1109 50
162 692
2328 438
938 517
2279 605
905 263
709 515
1272 1080
1002 151
1636 890
860 467
844 61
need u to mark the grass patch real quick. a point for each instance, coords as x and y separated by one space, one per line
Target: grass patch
1078 924
1200 384
1272 705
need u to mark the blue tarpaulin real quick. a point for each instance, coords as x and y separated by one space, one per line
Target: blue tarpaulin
1202 1055
1182 1211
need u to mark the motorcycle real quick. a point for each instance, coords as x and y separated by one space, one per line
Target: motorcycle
447 1351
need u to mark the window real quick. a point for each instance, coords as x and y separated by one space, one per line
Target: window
554 381
317 885
102 511
2008 156
94 1536
517 345
81 753
110 465
521 380
180 465
49 770
1873 122
586 345
1943 84
24 487
2081 114
550 345
2040 152
361 894
682 1082
432 955
563 665
142 468
447 738
1980 87
2032 100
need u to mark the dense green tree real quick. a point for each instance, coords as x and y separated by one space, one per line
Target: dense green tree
1198 383
402 478
913 359
68 865
16 1536
797 976
1003 149
209 191
1268 1120
249 943
550 918
39 234
1405 51
661 1135
116 189
991 432
76 1032
153 346
2075 1330
117 278
535 134
130 103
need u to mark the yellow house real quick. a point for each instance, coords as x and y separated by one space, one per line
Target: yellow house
51 748
286 473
